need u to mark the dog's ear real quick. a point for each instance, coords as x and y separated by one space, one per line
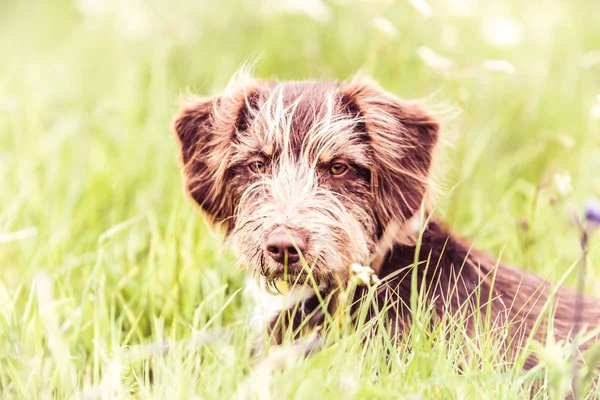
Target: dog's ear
206 128
402 137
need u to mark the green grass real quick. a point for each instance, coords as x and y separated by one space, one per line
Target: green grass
104 262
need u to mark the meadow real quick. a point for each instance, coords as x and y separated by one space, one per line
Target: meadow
112 285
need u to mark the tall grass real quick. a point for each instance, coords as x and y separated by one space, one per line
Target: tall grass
111 284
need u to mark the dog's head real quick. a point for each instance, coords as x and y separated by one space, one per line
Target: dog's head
305 177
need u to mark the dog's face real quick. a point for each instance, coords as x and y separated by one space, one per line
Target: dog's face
306 176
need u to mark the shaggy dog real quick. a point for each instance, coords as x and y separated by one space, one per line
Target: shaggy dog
310 178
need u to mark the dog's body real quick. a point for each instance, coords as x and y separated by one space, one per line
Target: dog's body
308 178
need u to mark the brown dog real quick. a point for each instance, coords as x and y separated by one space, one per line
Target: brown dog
308 178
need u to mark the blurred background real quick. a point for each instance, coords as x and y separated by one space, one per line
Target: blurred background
94 222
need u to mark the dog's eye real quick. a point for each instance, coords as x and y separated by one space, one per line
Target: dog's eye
338 169
258 167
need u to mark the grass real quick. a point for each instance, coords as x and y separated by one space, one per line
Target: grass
111 285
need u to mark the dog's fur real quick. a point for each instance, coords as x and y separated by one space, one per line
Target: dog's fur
297 130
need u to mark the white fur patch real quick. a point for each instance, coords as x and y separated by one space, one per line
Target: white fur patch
267 306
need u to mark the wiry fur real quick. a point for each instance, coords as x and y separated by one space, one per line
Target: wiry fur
297 130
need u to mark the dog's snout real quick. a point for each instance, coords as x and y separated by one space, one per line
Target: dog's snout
281 245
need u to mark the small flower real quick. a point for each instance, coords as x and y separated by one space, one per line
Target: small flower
592 211
568 142
499 66
595 111
563 183
502 32
135 22
365 275
386 27
433 60
421 6
590 59
315 9
94 8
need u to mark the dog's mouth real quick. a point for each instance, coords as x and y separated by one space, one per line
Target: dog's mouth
285 285
292 277
283 279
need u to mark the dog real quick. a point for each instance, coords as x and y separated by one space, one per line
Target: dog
310 178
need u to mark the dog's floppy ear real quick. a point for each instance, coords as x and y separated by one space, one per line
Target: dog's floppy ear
206 128
402 137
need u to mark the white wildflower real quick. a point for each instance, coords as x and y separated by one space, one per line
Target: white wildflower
499 66
95 8
421 6
563 183
314 9
433 60
595 111
568 142
385 26
502 32
590 59
365 275
135 22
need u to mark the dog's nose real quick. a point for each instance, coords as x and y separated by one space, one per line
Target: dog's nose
280 245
